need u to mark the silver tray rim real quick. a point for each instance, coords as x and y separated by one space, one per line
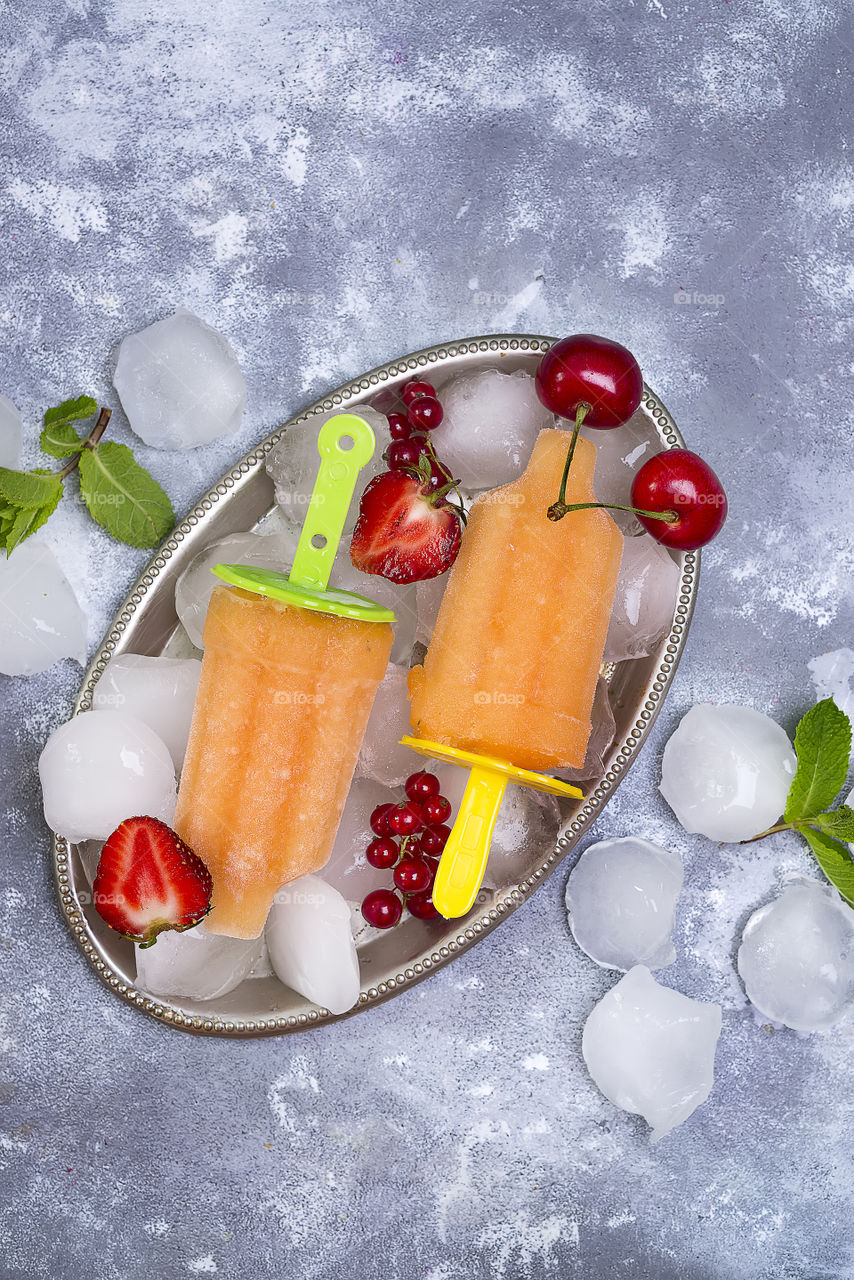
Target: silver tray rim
169 1011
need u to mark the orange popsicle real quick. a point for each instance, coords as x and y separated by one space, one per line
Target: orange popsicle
512 666
283 701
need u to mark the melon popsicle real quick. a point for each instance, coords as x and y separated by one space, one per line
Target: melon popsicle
288 678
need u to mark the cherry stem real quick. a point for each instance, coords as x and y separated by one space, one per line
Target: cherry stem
580 414
561 509
90 442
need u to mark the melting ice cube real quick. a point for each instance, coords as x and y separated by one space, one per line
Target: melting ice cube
159 691
180 383
833 677
311 943
621 899
429 595
347 869
100 768
651 1050
40 619
195 964
381 756
644 601
195 585
726 771
619 456
796 957
293 463
490 427
10 435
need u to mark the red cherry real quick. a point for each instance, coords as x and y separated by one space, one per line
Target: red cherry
405 819
435 811
421 785
412 875
680 481
379 820
412 390
382 909
398 425
421 906
382 852
585 369
425 413
403 455
433 840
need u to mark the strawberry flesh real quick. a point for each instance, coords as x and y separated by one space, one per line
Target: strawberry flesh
404 532
148 880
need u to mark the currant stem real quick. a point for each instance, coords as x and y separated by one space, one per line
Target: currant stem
91 440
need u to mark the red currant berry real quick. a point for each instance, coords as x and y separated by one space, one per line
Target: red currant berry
398 425
595 371
421 785
382 908
425 413
421 906
433 840
403 455
680 482
405 819
382 852
412 390
412 875
435 811
439 476
379 820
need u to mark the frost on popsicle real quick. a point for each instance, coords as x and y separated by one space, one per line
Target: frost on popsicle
179 383
40 619
101 767
651 1051
644 600
490 427
726 771
796 958
158 691
621 899
10 434
195 964
310 940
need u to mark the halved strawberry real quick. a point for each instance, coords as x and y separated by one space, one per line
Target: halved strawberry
406 531
148 880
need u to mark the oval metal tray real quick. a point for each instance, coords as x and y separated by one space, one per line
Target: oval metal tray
147 623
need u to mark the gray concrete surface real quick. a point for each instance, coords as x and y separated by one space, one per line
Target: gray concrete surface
333 184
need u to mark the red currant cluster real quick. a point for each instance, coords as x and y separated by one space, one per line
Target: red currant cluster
419 823
410 433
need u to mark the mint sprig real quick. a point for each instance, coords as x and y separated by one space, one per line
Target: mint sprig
823 750
119 494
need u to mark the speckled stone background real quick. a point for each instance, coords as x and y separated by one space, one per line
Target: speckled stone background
333 184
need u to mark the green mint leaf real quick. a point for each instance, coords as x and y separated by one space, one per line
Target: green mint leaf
29 488
834 860
839 823
123 497
60 440
28 520
70 411
823 748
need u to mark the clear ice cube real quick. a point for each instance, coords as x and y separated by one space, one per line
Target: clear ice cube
310 941
347 870
621 900
726 772
796 957
179 383
619 456
195 964
100 768
10 434
833 677
651 1051
40 619
159 691
490 427
644 600
429 595
381 756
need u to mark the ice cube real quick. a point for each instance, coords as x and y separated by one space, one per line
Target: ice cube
644 601
100 768
621 900
159 691
381 757
401 599
347 869
195 585
796 957
726 772
651 1050
180 383
293 463
833 677
195 964
311 944
428 596
602 728
619 456
10 434
40 619
490 427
